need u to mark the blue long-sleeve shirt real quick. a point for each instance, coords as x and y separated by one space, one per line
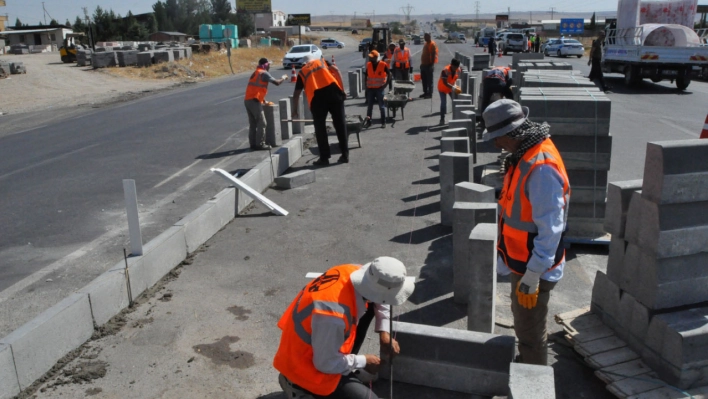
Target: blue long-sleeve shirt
545 192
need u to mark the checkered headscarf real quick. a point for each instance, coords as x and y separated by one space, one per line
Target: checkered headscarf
530 134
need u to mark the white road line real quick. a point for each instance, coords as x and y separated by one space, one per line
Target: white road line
197 161
26 130
694 135
46 161
230 99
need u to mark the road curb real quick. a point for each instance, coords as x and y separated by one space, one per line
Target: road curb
33 349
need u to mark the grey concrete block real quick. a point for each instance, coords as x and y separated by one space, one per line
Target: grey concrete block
163 56
454 168
252 179
286 128
518 57
587 210
587 178
272 132
482 274
606 299
104 60
462 111
615 260
455 144
108 294
480 62
676 171
587 160
472 89
160 256
455 132
582 144
465 78
667 230
187 52
295 179
146 47
40 343
127 57
298 127
529 381
466 215
145 59
9 386
686 341
586 195
200 225
178 53
456 360
266 173
306 107
618 196
473 192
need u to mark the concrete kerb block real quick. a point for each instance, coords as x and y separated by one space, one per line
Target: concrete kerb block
200 225
455 168
252 179
454 144
676 171
307 111
457 112
353 84
225 205
298 127
286 128
482 276
161 255
466 216
606 299
473 192
108 294
615 260
529 381
295 179
266 173
457 360
40 343
455 132
618 197
9 385
668 282
273 134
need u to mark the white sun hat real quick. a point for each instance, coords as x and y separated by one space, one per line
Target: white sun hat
383 281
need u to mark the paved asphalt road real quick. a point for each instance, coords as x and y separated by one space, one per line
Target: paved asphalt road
61 191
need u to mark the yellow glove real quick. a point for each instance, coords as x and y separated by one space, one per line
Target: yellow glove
527 289
527 301
458 90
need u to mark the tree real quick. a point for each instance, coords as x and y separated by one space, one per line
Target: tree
160 16
221 10
53 22
79 25
244 22
18 23
592 23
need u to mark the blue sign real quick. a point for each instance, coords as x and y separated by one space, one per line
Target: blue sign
572 25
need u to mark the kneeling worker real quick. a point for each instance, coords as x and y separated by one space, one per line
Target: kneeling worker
496 82
325 326
533 214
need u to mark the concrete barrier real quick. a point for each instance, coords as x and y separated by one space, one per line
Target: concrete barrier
482 283
529 381
108 294
9 386
676 171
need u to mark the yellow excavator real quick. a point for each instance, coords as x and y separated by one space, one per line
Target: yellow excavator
70 48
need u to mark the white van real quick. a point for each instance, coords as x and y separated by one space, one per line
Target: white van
509 41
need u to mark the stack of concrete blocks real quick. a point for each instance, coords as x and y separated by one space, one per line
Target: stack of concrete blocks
286 127
525 66
298 127
127 57
187 52
163 56
146 47
530 381
273 135
145 58
104 59
83 57
177 53
656 288
580 129
456 360
555 78
455 167
480 62
518 57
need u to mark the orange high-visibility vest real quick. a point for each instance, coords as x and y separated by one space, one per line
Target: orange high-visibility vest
402 59
516 227
451 79
376 78
316 75
389 55
430 47
499 72
256 88
331 294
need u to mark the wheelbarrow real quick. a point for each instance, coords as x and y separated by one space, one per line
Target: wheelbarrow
395 102
403 87
354 125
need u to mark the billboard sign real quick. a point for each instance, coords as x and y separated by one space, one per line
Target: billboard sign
360 23
298 19
501 17
572 25
253 6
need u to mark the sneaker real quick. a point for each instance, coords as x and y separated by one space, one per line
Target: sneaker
321 162
343 159
428 96
292 392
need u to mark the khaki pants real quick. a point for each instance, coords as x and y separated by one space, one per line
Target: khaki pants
530 324
256 123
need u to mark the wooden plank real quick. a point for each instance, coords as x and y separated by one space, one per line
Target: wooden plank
560 318
670 393
607 359
584 322
592 334
634 386
599 345
622 371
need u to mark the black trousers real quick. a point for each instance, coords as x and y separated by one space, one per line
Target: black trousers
492 86
329 100
426 75
596 74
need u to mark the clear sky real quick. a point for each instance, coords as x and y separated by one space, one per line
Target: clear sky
30 11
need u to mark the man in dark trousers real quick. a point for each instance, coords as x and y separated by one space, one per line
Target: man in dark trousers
428 59
446 85
323 87
496 82
377 77
492 44
596 62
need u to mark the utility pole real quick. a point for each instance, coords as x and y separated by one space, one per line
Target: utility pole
407 12
476 10
552 10
530 17
45 13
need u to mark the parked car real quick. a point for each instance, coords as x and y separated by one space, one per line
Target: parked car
509 41
564 47
327 43
295 54
461 37
364 44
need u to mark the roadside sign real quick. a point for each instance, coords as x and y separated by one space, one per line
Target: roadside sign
572 25
253 6
298 19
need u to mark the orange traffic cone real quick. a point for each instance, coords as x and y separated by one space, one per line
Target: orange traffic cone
333 63
704 132
500 54
293 75
485 50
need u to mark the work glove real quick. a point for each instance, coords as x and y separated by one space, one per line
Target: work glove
527 289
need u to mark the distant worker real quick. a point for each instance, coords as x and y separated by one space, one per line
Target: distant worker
533 214
402 61
537 43
446 85
492 48
377 77
256 91
326 324
427 65
324 89
497 81
596 62
388 56
525 48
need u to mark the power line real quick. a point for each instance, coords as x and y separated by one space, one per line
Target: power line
476 10
407 12
552 10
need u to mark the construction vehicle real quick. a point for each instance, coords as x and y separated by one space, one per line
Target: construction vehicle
70 48
380 38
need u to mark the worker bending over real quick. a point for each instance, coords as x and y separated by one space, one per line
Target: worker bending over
533 214
377 77
446 85
324 89
497 81
256 91
325 326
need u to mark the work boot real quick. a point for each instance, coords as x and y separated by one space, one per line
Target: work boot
442 120
321 162
291 392
344 158
367 122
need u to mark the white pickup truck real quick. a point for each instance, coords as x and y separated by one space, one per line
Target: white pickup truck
626 52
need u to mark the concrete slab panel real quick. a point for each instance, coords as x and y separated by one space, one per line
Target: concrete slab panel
295 179
9 386
676 171
39 344
529 381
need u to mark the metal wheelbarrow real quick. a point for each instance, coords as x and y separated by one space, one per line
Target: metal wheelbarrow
354 125
395 102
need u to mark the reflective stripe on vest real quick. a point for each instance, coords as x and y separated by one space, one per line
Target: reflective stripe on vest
516 227
316 75
376 79
402 58
331 294
256 88
451 79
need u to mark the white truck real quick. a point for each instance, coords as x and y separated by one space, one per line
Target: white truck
629 51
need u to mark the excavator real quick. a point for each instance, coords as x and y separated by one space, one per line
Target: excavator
70 48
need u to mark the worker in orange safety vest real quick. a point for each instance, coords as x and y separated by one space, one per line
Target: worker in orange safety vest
256 91
377 77
446 85
326 324
401 61
533 214
428 59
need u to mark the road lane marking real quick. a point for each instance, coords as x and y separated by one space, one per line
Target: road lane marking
230 99
47 161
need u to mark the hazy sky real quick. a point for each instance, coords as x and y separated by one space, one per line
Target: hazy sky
30 11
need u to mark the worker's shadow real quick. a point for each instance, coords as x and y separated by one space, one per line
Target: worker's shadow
223 154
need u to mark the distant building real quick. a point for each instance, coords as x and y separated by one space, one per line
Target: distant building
3 18
39 36
265 20
168 37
